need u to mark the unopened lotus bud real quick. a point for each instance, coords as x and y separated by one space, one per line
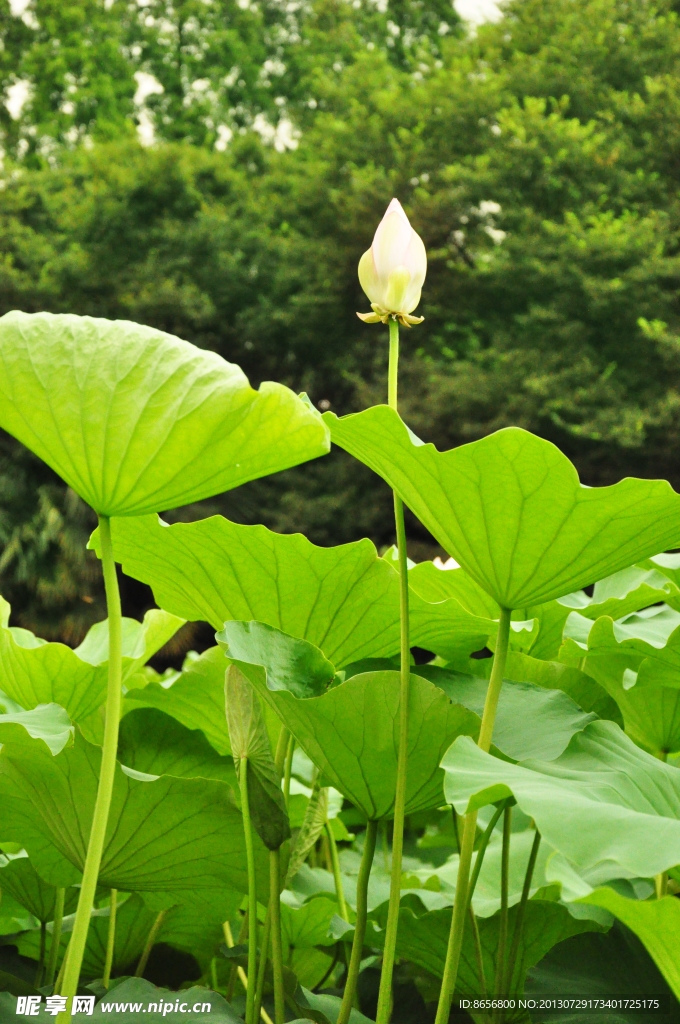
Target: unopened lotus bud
393 270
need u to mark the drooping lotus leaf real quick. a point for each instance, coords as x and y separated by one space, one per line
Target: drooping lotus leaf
33 672
594 966
510 509
344 600
530 721
249 741
555 675
607 807
20 880
629 590
166 836
47 722
487 895
156 744
135 420
655 922
351 731
196 698
637 661
423 940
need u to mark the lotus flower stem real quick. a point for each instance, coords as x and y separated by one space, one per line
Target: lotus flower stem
41 958
272 922
481 850
470 829
150 943
503 919
519 920
110 939
360 923
288 770
337 877
107 772
252 893
277 951
385 993
479 956
56 936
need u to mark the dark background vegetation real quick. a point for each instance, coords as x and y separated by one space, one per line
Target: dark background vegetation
538 158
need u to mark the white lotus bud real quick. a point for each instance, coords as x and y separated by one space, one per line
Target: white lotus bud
393 270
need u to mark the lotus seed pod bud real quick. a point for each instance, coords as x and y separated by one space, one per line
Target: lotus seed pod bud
393 270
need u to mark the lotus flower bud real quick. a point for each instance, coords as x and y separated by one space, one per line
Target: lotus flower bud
393 270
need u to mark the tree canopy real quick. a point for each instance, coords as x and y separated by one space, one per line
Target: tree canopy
537 157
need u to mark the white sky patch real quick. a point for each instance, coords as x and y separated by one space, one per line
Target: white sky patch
478 11
17 7
17 95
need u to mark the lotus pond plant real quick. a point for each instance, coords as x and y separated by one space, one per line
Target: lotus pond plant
251 808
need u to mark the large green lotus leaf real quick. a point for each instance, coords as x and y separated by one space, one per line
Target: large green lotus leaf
165 835
487 895
423 940
48 723
351 734
629 590
611 809
135 420
197 929
156 744
646 643
344 600
307 926
433 583
555 675
33 672
510 509
637 661
597 966
195 698
436 583
656 923
136 995
530 721
133 922
20 880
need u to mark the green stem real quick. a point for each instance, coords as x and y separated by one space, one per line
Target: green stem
337 877
284 747
661 881
43 948
519 920
252 893
503 920
56 936
470 828
288 771
62 970
479 956
385 994
481 851
150 942
264 952
110 939
360 923
277 950
102 805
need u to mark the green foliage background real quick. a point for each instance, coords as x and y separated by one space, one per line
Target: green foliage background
538 158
